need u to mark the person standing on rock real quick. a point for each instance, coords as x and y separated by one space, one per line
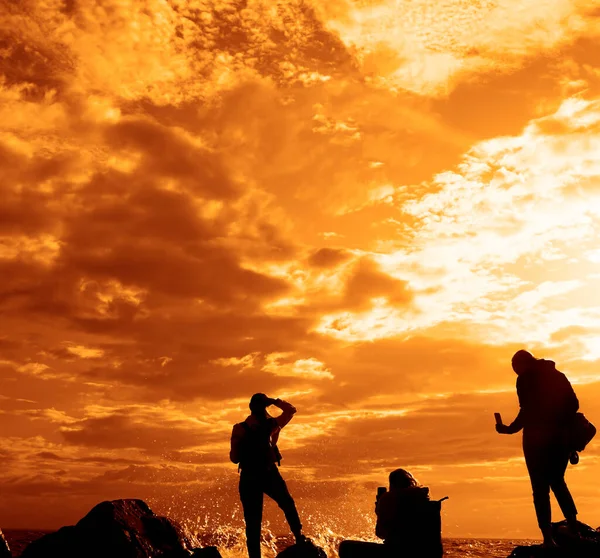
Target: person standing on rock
254 448
548 406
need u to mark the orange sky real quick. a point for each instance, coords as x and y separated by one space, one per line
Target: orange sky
364 207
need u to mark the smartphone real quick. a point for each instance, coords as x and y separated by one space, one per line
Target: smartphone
498 418
381 490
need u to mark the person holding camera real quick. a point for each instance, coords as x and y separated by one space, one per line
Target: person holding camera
407 520
548 406
254 448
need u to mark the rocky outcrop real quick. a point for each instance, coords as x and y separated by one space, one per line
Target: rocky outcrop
117 529
585 543
4 549
303 550
207 552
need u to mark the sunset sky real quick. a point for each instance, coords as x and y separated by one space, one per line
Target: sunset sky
361 206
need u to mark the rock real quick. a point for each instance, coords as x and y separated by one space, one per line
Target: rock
306 549
584 544
117 529
63 543
533 551
206 552
4 548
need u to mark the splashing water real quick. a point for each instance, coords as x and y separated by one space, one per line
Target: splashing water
217 521
231 542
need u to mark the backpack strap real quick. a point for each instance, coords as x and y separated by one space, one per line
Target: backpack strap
276 451
246 428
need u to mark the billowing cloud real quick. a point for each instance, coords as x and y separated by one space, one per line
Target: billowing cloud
429 48
362 207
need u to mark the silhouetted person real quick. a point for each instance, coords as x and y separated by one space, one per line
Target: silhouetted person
548 405
254 447
407 520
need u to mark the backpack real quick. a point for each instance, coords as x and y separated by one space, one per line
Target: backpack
257 449
422 527
581 432
427 530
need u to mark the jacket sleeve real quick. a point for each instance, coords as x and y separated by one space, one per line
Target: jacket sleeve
288 412
236 438
571 401
517 424
385 511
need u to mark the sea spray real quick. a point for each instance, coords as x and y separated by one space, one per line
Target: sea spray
215 518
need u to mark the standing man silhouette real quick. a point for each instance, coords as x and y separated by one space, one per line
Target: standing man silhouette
254 447
548 405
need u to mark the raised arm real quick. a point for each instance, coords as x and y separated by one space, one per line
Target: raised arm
385 509
288 412
517 424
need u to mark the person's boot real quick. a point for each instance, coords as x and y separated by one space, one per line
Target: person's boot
573 526
574 458
549 541
300 538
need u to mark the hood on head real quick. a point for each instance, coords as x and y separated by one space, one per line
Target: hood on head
545 365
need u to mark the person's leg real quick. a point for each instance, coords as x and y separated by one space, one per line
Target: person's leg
363 549
276 488
536 459
560 459
251 495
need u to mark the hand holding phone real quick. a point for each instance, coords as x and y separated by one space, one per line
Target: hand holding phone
498 418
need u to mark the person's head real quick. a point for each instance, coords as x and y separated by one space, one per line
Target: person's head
258 404
400 478
523 361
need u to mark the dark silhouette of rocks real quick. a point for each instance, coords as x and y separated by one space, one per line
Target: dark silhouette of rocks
305 549
584 544
117 529
208 552
4 548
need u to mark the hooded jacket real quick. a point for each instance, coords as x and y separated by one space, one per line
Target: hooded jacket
546 399
273 425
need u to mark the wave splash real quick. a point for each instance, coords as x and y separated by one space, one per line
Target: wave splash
231 542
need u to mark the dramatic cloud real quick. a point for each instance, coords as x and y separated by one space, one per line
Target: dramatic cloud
362 207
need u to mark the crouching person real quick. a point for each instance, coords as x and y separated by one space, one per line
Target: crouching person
407 520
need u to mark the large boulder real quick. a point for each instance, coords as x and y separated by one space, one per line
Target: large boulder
117 529
4 548
306 549
583 544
